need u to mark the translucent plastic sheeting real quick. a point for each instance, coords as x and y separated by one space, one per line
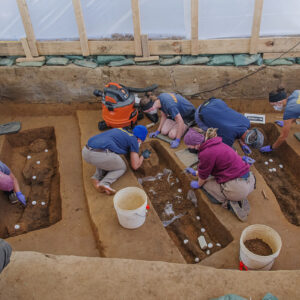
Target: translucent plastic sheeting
55 19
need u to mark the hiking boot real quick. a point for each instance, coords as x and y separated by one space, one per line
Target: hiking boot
240 211
106 189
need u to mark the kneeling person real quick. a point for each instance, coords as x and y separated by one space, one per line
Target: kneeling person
103 151
231 180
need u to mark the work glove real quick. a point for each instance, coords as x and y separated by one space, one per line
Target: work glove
246 149
175 143
266 149
154 134
279 123
146 153
190 171
250 161
194 184
21 198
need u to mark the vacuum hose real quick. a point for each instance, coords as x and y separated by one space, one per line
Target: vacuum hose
141 90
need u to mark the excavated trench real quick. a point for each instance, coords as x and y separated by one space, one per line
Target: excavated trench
184 214
33 153
281 170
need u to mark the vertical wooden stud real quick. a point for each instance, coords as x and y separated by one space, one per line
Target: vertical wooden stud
81 28
256 26
145 46
194 27
23 9
136 27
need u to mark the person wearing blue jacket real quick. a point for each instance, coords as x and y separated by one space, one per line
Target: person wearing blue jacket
279 99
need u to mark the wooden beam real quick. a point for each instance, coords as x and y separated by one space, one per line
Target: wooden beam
156 47
145 46
194 27
81 28
23 9
149 58
136 27
23 59
256 26
26 48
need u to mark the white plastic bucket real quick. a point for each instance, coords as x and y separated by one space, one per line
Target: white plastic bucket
269 236
130 204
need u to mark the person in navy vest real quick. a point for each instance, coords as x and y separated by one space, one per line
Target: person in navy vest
231 124
103 151
176 114
279 99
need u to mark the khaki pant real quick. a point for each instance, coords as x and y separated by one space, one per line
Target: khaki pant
170 128
234 190
109 165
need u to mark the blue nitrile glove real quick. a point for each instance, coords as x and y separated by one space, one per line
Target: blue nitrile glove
246 149
146 153
191 171
194 184
279 123
175 143
266 149
250 161
154 134
21 198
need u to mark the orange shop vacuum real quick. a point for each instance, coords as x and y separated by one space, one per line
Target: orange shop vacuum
119 109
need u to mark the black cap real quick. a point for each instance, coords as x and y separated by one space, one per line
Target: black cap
275 97
147 105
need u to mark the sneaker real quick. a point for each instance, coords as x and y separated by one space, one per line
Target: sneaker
12 197
240 211
106 189
245 205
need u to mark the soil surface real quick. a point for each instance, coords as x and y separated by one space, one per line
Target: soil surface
34 152
177 206
280 170
259 247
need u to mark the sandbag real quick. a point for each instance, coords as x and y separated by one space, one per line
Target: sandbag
7 61
170 61
246 59
146 63
85 63
194 60
124 62
57 61
74 57
278 62
106 59
298 60
221 60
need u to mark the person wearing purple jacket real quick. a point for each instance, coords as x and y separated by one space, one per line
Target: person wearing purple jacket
222 173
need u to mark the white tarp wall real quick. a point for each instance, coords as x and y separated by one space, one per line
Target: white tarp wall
55 19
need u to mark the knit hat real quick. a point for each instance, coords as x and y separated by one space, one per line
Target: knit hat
277 96
254 138
193 137
140 132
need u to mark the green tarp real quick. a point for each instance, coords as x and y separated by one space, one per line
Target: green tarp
85 63
194 60
57 61
221 60
278 62
106 59
170 61
124 62
7 61
246 59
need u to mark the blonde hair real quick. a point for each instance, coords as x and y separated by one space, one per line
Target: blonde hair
210 133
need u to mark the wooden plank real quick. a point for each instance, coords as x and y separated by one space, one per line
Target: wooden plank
81 28
256 26
23 9
136 27
156 47
149 58
194 27
26 48
23 59
275 55
145 46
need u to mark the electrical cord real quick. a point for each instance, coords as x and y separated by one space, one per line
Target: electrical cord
244 77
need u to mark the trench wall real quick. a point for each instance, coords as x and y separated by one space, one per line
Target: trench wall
69 84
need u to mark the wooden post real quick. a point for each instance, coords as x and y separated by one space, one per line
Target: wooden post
28 54
145 50
23 9
81 28
136 27
194 27
256 26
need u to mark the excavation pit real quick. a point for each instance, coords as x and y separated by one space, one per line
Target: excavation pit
183 213
32 157
281 170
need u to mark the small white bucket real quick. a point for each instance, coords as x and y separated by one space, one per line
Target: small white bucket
269 236
131 206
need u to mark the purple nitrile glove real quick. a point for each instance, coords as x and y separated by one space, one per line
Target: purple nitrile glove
21 198
279 123
175 143
191 171
250 161
246 149
266 149
154 134
194 184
